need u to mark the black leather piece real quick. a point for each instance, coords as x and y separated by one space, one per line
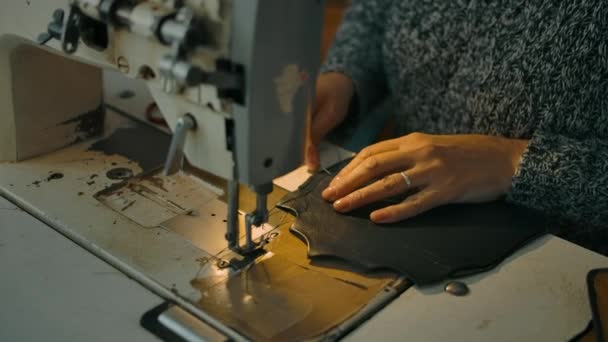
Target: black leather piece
452 240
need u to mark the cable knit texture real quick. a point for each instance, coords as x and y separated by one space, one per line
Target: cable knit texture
520 69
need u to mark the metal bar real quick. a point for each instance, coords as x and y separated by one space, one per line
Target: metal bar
127 269
232 233
175 157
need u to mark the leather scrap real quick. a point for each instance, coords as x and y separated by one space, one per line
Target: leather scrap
452 240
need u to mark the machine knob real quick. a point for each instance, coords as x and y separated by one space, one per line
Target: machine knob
54 29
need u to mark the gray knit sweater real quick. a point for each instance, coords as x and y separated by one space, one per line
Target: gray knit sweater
521 69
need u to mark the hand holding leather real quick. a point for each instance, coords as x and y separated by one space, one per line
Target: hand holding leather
442 168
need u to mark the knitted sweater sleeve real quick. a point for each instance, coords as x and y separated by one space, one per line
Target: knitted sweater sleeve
565 177
356 51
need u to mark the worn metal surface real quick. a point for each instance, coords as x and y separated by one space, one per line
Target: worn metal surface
160 259
538 287
278 300
168 262
539 294
205 226
151 200
53 290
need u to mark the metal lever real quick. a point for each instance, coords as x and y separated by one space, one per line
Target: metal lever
232 233
70 34
175 157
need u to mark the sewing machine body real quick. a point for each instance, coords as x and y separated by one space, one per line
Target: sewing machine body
229 78
251 38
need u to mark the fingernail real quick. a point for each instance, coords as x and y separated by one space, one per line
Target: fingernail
379 217
329 193
341 205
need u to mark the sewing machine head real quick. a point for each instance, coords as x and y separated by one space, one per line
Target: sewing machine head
242 71
232 78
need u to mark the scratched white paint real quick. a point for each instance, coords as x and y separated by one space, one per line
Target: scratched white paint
161 259
153 200
287 85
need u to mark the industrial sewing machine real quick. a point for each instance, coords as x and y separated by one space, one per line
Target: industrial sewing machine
237 109
233 80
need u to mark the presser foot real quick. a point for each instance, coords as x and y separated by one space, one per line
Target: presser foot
239 259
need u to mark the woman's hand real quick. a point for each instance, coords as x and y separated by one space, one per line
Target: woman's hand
442 168
333 96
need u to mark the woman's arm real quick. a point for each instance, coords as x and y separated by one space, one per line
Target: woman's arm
564 177
357 50
354 66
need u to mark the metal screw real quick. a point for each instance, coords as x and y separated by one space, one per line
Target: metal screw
456 288
223 264
119 173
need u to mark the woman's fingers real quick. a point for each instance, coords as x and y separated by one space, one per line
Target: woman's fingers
384 146
312 158
373 167
418 203
391 185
